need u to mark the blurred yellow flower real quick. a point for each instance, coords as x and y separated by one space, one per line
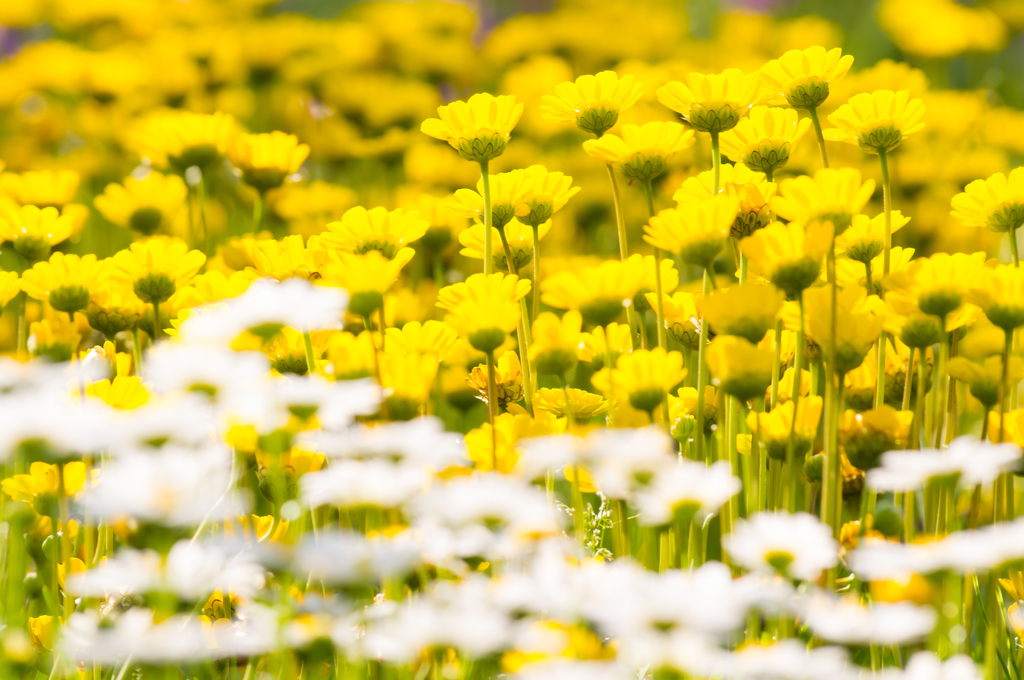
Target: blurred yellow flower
642 151
593 102
877 121
644 376
361 230
835 195
484 309
555 342
697 232
352 356
752 190
181 139
857 323
123 392
788 255
409 377
681 318
599 293
739 368
145 205
865 238
996 202
584 405
366 277
938 284
773 428
33 231
802 77
508 191
999 292
764 141
157 268
519 237
747 310
10 286
267 159
595 346
41 188
547 193
508 377
65 281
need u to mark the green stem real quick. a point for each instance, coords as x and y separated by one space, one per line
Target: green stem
257 212
813 112
702 380
941 379
620 220
22 323
1014 256
755 460
869 285
620 538
523 333
796 470
488 220
776 364
716 165
660 307
137 350
310 359
492 407
536 272
156 321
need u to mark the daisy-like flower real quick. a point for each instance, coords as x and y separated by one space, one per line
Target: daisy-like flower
181 139
789 255
408 378
740 368
684 407
361 230
508 193
42 188
33 231
517 235
747 310
796 546
366 277
764 141
996 203
644 376
547 193
712 103
65 281
686 490
928 666
857 324
865 436
265 160
351 356
984 378
10 286
865 238
877 121
939 284
832 195
681 318
479 128
642 151
802 77
284 259
430 337
145 205
583 405
484 309
697 232
599 293
593 102
157 268
752 189
848 622
595 346
555 342
773 428
967 462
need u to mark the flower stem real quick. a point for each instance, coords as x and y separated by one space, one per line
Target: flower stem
22 323
620 220
716 165
798 369
702 380
156 321
776 364
660 307
310 359
758 493
492 407
813 112
257 212
536 272
941 380
488 219
137 351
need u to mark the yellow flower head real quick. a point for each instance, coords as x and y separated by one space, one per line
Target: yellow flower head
835 195
764 141
642 151
1000 294
738 367
866 436
508 377
33 231
435 338
614 339
788 255
682 410
599 292
752 190
352 356
361 230
938 284
366 277
113 306
281 259
479 128
877 121
286 351
644 376
548 193
592 102
669 280
508 194
773 428
802 77
697 231
39 486
865 239
484 309
681 318
267 159
123 392
65 281
41 188
144 205
10 286
712 103
157 268
555 342
584 405
518 235
747 310
851 272
409 376
985 378
858 323
996 202
487 447
181 139
55 337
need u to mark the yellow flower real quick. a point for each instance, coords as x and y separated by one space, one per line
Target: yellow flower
361 230
431 337
485 448
65 281
584 405
281 259
738 367
669 280
181 139
697 232
595 346
641 151
751 189
555 342
547 193
877 121
508 378
484 309
835 195
147 206
598 292
747 310
42 188
681 318
508 191
40 629
123 392
10 286
592 102
409 377
866 436
478 129
113 307
518 235
851 272
287 349
996 202
33 231
41 480
294 463
352 356
712 103
985 378
865 239
773 428
802 77
1000 294
366 277
644 376
857 323
55 337
939 29
157 268
788 255
939 284
267 159
684 406
764 141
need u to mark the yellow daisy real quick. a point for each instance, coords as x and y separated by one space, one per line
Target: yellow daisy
361 230
877 121
145 205
478 128
593 102
642 151
712 103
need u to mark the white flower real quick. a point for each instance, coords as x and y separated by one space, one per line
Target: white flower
351 483
423 440
185 419
848 622
566 669
783 660
128 572
42 416
195 569
132 634
967 460
797 545
928 666
346 558
687 488
336 404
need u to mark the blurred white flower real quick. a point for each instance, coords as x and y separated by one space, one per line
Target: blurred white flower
967 461
687 489
345 558
783 660
797 545
928 666
353 483
848 622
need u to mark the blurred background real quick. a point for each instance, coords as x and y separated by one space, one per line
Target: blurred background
80 78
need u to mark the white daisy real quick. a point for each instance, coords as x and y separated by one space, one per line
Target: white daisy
798 546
